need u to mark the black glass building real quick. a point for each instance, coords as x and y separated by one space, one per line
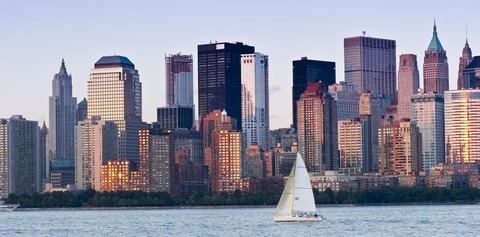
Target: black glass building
219 78
175 117
307 71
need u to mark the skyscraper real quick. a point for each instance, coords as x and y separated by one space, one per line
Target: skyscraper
219 78
465 59
435 66
308 71
62 119
226 161
370 65
347 98
408 83
428 113
255 107
19 156
462 126
115 94
471 74
179 80
370 106
354 145
82 109
175 117
43 162
317 129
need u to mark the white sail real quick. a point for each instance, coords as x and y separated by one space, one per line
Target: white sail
284 207
303 194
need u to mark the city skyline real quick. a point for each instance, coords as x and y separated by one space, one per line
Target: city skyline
87 33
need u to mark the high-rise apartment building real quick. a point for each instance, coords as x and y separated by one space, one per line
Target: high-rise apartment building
179 80
347 97
317 129
219 78
355 145
20 170
115 94
465 59
428 114
435 66
62 120
226 166
308 71
370 65
471 74
408 84
255 107
96 144
462 126
400 149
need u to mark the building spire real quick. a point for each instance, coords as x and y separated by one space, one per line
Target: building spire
466 36
435 44
63 69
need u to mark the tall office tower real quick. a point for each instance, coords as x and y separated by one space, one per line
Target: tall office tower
400 148
175 117
317 129
347 97
43 162
370 65
408 84
354 145
428 113
308 71
219 79
465 59
462 126
82 110
179 80
19 156
435 66
226 169
62 119
370 105
115 94
255 107
254 164
214 120
471 74
96 144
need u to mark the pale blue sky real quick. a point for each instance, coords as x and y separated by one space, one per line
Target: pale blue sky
36 35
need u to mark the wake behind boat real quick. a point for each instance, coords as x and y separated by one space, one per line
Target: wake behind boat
297 203
8 207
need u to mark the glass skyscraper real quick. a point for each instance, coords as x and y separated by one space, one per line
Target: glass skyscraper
179 80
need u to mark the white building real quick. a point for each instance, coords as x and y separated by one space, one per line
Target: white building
255 107
428 113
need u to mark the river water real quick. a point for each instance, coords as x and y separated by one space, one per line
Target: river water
414 220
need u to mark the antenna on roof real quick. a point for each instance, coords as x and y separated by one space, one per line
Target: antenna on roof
364 32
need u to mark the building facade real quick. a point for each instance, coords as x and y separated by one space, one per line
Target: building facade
355 145
175 117
219 78
465 59
255 99
179 80
408 84
428 114
370 65
347 98
82 110
115 94
471 74
317 129
462 126
308 71
435 66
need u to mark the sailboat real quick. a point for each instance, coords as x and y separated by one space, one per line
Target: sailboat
297 203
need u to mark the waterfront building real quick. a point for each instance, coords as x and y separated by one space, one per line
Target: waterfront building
308 71
428 114
62 119
115 94
20 170
435 66
370 65
179 80
317 129
347 97
465 59
408 84
255 99
219 79
471 74
175 117
462 126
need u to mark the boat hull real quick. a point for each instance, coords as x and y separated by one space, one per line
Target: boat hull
9 207
298 219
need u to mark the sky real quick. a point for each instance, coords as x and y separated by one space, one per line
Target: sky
36 35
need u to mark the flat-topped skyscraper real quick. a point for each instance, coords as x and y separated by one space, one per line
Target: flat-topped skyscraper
179 80
115 94
435 66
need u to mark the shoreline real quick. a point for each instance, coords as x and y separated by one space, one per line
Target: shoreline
86 208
